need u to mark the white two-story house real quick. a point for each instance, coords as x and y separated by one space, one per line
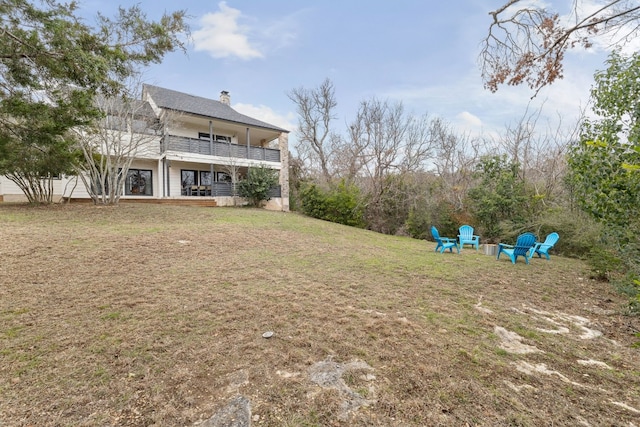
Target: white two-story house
203 148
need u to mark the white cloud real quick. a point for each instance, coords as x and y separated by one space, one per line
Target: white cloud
281 33
267 115
469 120
222 37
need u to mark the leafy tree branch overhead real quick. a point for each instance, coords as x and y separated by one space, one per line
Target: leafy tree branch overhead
45 40
526 43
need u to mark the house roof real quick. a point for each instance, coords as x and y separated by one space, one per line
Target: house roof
180 101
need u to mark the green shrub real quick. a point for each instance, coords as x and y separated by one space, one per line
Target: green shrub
344 206
433 213
604 262
444 218
257 185
313 201
340 204
579 234
500 195
418 224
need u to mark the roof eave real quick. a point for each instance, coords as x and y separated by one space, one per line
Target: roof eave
226 120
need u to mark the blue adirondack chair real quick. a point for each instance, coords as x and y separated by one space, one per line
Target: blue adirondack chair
523 245
543 248
466 237
444 243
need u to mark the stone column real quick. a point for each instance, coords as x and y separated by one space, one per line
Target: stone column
283 145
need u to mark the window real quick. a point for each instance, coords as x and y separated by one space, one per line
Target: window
51 176
223 177
219 138
187 179
193 178
138 183
205 178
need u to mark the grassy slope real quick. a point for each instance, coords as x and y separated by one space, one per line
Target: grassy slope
148 315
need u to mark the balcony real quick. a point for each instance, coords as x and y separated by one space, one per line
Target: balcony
217 148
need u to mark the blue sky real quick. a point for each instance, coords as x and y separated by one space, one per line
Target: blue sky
423 53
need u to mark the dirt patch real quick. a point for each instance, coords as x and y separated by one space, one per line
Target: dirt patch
512 342
331 375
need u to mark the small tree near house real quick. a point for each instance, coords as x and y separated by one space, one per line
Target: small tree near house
233 170
110 145
257 185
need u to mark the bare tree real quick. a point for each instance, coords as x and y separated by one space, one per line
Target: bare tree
128 129
385 145
456 155
386 138
549 167
232 168
316 110
527 43
539 153
521 142
383 127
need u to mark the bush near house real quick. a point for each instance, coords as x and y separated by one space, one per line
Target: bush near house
257 185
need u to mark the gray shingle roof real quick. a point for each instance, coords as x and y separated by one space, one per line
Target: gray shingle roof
179 101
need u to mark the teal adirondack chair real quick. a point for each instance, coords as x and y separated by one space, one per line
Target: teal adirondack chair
466 237
543 248
444 243
523 245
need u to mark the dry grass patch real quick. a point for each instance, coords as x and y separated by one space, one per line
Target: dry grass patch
153 315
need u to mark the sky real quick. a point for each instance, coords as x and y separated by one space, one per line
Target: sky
421 53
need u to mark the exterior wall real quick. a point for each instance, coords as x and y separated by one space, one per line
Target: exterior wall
73 186
277 204
191 130
76 188
149 148
230 201
80 191
10 192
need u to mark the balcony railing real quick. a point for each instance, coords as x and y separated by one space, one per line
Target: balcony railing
221 189
217 148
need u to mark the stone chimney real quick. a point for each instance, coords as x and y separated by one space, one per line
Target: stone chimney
225 98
